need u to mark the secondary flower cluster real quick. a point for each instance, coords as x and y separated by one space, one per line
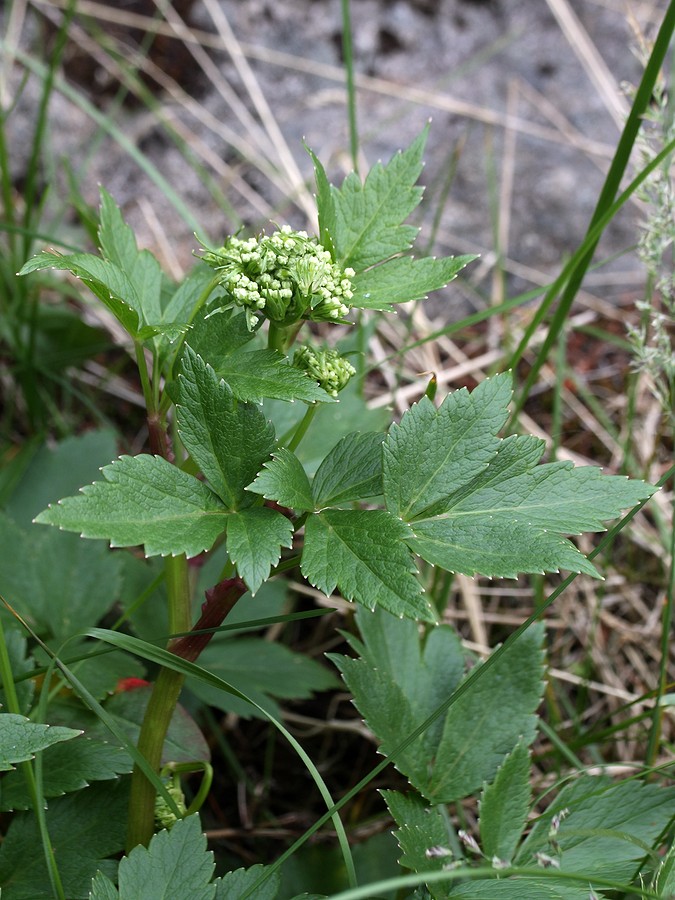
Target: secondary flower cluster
285 276
326 366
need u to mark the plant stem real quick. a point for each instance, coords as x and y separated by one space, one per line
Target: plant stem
280 337
348 56
301 430
160 709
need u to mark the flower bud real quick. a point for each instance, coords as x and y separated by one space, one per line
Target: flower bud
325 366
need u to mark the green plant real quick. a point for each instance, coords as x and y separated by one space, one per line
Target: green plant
224 478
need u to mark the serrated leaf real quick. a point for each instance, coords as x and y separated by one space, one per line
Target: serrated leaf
607 829
399 681
363 553
254 541
84 828
325 205
106 280
500 549
486 722
65 769
351 471
368 216
21 739
102 888
228 439
218 335
403 279
433 452
236 884
284 480
422 835
175 864
143 500
264 671
479 504
258 374
504 806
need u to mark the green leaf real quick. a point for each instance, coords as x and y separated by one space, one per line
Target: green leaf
351 471
235 884
143 500
433 452
21 664
479 504
263 671
325 205
228 439
118 244
500 549
368 216
175 864
102 888
106 280
521 889
505 804
252 374
254 541
608 827
258 374
284 480
58 470
486 722
21 739
68 585
363 553
65 769
399 681
422 835
403 279
84 828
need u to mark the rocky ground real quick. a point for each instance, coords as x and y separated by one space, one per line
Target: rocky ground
525 97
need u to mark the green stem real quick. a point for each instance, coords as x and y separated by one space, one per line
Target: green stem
280 337
37 801
301 430
666 631
348 57
160 709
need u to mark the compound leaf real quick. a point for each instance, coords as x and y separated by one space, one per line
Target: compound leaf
284 480
363 553
403 279
480 504
351 471
143 500
227 438
254 541
367 216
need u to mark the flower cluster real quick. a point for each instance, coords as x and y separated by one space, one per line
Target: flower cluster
285 276
325 366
